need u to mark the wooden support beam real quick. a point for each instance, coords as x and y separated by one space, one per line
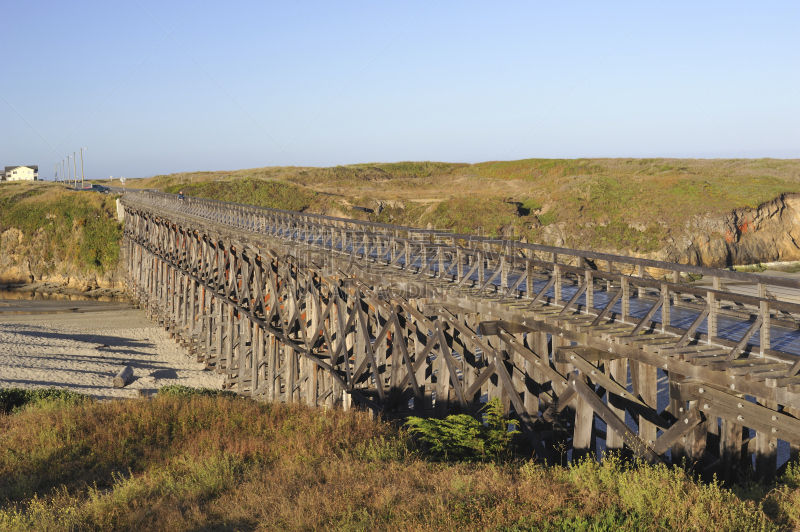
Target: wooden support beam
639 447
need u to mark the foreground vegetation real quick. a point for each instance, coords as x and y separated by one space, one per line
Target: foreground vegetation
58 229
634 205
183 461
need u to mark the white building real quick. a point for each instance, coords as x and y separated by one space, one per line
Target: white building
21 173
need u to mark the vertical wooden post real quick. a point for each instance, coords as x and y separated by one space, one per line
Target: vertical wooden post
647 390
583 443
617 370
626 298
529 291
530 395
481 272
589 291
220 331
794 449
696 440
540 348
290 358
713 307
640 275
224 361
193 303
186 306
416 336
730 451
765 327
677 408
380 347
442 375
560 429
557 273
272 361
766 450
258 360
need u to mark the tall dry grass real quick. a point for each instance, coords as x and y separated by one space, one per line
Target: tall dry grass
205 463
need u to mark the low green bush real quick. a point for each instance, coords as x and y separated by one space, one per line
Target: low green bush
177 390
462 437
14 399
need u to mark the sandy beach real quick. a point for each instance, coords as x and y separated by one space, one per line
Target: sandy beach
82 346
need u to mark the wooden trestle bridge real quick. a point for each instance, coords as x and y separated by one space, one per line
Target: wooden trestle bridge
587 351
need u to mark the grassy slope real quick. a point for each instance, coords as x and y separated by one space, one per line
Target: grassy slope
76 228
225 463
601 201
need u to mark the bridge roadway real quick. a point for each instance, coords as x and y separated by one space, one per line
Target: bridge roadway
306 308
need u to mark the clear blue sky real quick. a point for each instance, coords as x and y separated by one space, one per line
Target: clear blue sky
247 84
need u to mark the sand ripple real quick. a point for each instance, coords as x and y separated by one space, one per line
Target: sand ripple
61 350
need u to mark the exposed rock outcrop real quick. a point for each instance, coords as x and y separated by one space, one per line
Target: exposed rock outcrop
769 233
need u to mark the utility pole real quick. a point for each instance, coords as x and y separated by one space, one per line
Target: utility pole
55 173
82 185
75 170
69 175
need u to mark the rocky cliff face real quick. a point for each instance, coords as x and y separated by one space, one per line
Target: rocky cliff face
769 233
35 258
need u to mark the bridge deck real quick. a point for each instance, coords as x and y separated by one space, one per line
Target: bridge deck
783 338
404 320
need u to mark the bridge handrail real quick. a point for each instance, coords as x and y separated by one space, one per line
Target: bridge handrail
171 201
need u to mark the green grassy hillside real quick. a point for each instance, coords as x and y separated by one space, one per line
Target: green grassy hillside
57 230
632 205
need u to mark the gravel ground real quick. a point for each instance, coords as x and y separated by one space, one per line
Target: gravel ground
82 347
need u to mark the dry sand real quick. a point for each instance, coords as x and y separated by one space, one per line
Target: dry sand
64 350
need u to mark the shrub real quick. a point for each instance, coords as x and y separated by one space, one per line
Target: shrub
463 437
14 399
177 390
